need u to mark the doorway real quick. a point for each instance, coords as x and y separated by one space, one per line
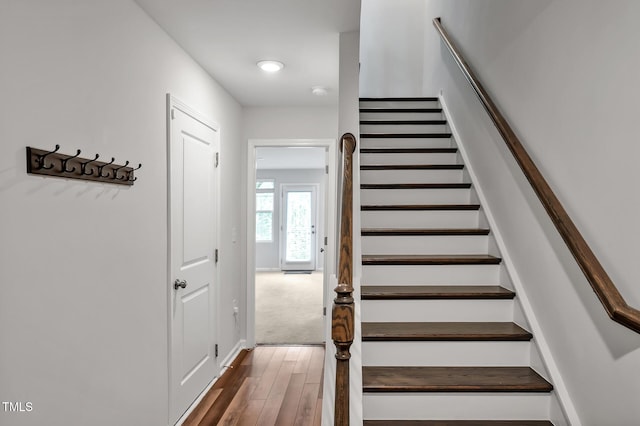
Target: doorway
289 238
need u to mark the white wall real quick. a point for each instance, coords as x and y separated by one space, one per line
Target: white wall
391 48
563 74
268 253
83 272
349 109
290 122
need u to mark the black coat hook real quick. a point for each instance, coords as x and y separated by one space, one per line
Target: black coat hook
103 166
43 156
115 171
131 173
64 164
83 166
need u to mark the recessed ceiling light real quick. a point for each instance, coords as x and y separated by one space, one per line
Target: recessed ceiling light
319 90
270 66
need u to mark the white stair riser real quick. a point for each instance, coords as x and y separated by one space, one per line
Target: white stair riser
443 354
410 158
456 406
414 196
410 176
430 274
419 218
430 244
436 310
399 104
401 116
405 142
404 128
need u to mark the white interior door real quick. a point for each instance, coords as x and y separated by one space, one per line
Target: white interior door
193 218
299 227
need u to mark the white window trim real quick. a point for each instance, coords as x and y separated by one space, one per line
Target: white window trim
272 192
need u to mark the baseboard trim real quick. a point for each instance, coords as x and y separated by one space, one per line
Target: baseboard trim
226 362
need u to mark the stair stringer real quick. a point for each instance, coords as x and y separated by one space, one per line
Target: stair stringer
562 410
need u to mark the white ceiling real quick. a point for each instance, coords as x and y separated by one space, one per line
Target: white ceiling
290 158
228 37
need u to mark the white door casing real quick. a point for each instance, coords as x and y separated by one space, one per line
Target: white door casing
193 144
298 238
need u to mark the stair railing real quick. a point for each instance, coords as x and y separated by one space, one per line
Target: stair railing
615 305
342 315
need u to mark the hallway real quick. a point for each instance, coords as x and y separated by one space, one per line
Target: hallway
269 385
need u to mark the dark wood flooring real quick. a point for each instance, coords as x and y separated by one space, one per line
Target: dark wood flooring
269 385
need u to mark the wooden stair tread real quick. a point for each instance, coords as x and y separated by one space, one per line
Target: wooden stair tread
412 167
408 150
404 122
443 331
406 135
420 207
415 186
417 232
433 259
400 99
389 292
457 423
402 110
453 379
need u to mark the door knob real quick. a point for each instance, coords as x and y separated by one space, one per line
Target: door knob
321 250
177 284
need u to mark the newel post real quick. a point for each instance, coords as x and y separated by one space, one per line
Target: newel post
342 324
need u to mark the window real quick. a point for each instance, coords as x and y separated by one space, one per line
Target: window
264 210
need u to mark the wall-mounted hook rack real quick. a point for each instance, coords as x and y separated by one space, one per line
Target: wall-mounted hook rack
53 163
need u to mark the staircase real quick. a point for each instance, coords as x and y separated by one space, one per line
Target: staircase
439 341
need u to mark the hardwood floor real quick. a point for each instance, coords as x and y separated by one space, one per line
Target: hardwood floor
269 385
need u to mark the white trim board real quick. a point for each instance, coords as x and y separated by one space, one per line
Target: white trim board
330 220
563 397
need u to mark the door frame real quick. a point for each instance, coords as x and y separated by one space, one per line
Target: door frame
174 102
283 219
329 218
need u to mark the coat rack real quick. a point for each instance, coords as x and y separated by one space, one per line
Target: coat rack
53 163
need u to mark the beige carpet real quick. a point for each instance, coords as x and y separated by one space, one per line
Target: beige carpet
289 308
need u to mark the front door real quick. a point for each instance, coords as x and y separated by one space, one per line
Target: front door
192 276
299 227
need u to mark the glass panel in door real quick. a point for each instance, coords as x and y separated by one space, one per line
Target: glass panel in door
299 227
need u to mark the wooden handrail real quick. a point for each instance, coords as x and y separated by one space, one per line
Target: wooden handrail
342 318
613 302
